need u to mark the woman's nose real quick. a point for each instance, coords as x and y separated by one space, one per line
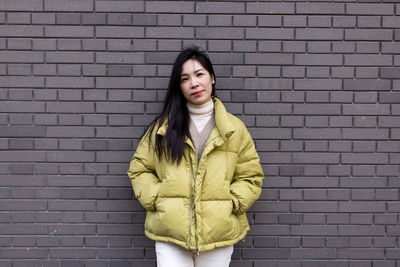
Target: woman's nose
194 83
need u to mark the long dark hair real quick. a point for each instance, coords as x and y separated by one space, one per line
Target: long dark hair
172 145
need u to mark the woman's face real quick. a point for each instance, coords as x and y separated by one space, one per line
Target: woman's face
196 82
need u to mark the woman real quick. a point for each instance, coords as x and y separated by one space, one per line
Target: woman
195 171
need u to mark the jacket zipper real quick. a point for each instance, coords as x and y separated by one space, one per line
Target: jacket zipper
191 212
192 185
191 202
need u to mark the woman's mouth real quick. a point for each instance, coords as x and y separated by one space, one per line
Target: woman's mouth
197 93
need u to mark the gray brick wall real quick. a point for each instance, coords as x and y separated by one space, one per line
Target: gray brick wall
316 82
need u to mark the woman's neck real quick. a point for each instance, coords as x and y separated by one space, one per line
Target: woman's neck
201 114
202 110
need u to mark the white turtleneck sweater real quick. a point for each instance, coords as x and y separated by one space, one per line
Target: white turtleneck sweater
201 114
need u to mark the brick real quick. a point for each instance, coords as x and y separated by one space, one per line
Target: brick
65 180
369 9
70 5
270 21
367 72
93 70
94 45
93 19
314 230
271 253
71 229
21 169
119 82
315 158
360 253
270 33
67 18
316 134
267 109
365 97
270 8
318 59
219 33
295 21
18 18
169 45
298 46
227 7
169 32
319 47
119 32
69 44
263 58
21 57
69 57
21 31
119 108
69 82
169 19
320 21
315 206
291 146
362 206
344 21
364 146
366 84
71 205
390 73
69 31
313 253
268 84
22 253
119 6
21 5
120 57
115 70
119 253
70 156
18 69
319 34
22 131
365 134
43 18
320 8
369 21
320 109
68 70
23 205
368 34
343 47
365 158
390 22
194 20
366 109
338 194
244 20
116 229
368 60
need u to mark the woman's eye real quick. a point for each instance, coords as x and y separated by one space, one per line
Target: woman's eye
183 79
199 74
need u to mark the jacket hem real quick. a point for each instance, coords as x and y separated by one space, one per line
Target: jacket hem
201 248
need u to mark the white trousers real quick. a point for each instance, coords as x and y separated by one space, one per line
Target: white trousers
171 255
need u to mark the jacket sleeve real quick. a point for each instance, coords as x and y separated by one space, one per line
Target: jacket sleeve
246 184
143 176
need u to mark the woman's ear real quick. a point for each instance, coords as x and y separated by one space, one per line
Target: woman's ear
212 79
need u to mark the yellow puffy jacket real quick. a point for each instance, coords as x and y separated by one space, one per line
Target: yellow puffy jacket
199 206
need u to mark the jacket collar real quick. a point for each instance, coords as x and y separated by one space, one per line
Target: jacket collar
222 120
